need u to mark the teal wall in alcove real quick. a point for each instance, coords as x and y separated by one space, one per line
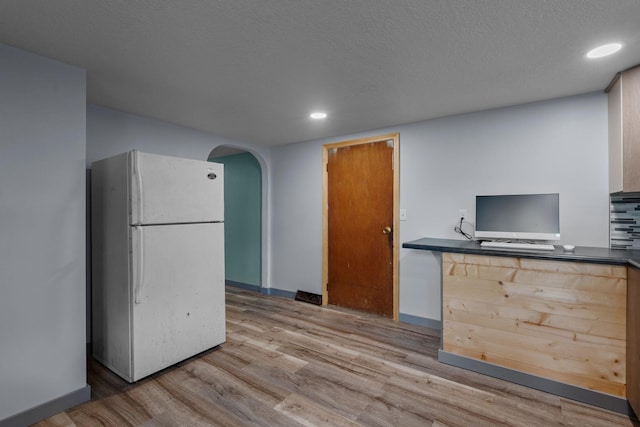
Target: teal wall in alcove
242 218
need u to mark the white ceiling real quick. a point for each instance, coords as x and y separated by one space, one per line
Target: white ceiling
253 70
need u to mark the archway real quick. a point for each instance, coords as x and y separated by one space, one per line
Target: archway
243 216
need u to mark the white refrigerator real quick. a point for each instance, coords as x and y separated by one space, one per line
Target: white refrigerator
157 238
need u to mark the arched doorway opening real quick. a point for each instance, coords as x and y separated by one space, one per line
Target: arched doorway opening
243 216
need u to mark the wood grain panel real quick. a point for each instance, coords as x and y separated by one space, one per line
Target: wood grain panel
579 268
633 339
533 318
564 321
631 129
615 134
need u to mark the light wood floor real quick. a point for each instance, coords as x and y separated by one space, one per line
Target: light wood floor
288 363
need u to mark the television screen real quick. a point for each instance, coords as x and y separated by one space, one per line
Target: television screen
518 216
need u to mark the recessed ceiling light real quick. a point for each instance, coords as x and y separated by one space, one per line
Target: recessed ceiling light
604 50
318 115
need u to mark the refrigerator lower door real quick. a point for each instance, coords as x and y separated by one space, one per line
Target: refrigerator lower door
178 307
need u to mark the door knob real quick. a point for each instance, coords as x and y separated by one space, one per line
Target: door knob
386 230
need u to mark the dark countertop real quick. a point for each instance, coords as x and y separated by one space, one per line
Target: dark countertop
579 254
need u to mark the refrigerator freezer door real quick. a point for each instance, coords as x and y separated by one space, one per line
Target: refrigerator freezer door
178 294
168 190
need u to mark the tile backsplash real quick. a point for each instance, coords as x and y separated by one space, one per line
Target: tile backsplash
624 228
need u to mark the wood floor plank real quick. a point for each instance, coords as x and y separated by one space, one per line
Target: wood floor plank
579 414
486 405
288 363
58 420
310 413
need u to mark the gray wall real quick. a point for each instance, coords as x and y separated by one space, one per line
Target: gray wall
111 132
553 146
42 229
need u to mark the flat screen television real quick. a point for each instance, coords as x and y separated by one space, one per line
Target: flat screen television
518 217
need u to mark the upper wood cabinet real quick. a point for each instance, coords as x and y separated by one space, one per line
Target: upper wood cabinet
624 132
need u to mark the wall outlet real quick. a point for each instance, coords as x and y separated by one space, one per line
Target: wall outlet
463 214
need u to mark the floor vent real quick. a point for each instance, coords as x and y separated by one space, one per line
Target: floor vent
309 297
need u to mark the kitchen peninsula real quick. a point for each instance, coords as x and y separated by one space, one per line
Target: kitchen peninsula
551 320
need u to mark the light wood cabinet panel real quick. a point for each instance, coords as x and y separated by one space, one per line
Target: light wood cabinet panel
624 132
564 321
633 339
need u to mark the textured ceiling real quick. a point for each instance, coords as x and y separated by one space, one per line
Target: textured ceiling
253 70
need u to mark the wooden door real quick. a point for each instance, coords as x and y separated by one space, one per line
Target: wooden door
360 222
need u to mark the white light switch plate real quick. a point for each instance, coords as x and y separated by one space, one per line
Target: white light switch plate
403 214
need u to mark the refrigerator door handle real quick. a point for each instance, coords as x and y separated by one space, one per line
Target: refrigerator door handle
139 264
139 205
